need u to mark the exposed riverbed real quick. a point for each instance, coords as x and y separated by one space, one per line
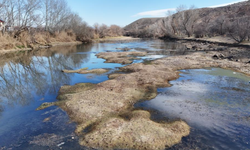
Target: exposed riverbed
30 79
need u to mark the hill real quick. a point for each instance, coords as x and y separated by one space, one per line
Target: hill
232 21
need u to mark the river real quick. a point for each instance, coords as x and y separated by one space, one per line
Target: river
214 102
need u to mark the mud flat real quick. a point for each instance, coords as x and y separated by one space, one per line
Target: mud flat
104 112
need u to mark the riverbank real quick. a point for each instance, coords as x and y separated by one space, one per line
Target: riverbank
224 47
54 44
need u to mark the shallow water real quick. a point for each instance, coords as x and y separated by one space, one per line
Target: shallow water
214 102
28 79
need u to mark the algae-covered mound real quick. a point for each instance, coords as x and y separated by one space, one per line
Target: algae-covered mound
120 57
137 133
85 71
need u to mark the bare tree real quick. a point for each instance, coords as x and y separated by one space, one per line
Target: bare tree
56 14
30 15
237 29
115 30
103 31
220 24
188 18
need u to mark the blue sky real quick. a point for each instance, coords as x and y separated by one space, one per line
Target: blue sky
123 12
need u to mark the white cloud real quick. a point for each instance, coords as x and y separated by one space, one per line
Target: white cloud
162 12
221 5
154 13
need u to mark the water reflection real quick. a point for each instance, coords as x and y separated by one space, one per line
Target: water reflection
23 76
214 102
165 48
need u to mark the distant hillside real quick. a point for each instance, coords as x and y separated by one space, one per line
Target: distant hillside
232 20
141 23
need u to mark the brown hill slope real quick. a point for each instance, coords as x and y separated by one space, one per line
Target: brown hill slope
232 20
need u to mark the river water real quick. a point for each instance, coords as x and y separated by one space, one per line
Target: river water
214 102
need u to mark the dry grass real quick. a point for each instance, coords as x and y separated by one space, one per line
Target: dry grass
26 39
42 38
8 42
64 36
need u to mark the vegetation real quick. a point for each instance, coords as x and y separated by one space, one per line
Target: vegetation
35 22
231 21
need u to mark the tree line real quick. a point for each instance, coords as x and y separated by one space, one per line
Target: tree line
52 16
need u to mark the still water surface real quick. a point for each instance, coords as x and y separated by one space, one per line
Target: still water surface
214 102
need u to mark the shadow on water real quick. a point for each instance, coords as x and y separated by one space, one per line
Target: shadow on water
214 102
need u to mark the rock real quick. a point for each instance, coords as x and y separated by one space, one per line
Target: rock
194 47
189 47
215 57
230 58
221 56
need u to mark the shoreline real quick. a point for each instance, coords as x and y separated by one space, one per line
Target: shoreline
210 41
54 44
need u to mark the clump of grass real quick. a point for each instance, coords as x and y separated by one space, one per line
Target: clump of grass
64 36
8 42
